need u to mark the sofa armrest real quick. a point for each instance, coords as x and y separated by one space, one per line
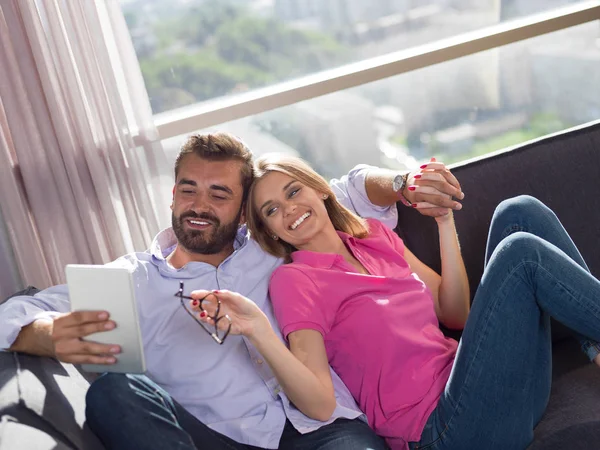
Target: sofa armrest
47 395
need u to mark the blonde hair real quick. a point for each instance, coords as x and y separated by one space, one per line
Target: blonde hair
341 217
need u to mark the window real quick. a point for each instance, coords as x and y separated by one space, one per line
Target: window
193 51
454 110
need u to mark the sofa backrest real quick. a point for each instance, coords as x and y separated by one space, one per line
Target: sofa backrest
562 170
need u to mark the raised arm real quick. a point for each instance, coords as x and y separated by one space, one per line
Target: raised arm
451 289
454 286
373 192
429 189
304 374
353 191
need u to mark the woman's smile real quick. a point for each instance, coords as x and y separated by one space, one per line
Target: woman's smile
298 222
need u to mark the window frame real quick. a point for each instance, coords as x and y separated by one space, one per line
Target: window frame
214 112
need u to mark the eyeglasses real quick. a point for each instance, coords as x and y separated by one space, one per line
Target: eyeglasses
218 335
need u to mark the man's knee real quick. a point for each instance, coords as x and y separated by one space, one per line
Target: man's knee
107 388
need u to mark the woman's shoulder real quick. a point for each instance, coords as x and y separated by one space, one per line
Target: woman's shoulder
378 230
374 225
289 271
292 280
382 238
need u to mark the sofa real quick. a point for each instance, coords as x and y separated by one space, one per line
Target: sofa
42 401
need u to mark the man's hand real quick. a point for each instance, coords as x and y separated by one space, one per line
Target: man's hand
431 188
68 331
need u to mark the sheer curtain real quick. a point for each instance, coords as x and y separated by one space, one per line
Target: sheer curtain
83 178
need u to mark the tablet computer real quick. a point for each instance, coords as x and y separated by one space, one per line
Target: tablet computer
105 288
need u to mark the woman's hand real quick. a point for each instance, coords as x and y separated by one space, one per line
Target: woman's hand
445 219
434 179
246 317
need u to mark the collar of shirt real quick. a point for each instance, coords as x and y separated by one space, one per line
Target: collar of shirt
320 260
164 243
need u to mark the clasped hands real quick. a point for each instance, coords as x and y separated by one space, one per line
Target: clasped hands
432 190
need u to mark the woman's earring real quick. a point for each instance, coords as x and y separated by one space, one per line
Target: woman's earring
274 237
325 196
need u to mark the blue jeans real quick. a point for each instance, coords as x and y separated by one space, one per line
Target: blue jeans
131 412
500 383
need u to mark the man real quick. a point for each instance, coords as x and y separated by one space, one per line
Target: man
203 395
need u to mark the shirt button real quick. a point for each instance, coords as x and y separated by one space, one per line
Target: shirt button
277 390
259 361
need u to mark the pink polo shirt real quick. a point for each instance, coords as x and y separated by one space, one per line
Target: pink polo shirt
381 332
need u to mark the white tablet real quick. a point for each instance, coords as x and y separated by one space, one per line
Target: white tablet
95 288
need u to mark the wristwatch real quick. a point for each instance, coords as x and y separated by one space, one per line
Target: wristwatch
398 186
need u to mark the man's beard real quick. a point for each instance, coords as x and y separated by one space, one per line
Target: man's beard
207 242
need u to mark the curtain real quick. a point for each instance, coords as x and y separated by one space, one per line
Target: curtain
83 176
10 281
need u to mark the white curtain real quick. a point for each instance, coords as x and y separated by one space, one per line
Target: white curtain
83 178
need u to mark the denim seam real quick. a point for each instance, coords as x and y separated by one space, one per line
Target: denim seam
594 310
512 229
431 444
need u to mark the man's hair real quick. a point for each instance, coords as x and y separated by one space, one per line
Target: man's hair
219 147
341 217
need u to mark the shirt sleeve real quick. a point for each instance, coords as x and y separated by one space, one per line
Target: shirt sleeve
351 192
22 310
295 300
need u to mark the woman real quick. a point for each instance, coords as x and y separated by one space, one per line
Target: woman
353 296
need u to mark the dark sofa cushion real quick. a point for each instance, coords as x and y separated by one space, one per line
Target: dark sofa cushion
29 290
560 170
572 419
